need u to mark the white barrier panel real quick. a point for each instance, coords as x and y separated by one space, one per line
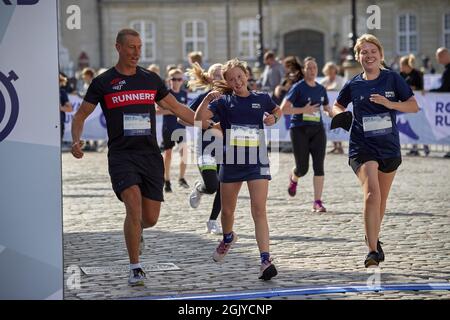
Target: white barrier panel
431 125
31 255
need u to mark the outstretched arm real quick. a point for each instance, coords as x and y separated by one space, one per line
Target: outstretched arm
180 110
85 110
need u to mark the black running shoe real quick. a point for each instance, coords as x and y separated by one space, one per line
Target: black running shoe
267 270
167 186
183 183
372 259
380 251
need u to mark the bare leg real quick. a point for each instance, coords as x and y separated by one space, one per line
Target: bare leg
258 190
229 194
132 226
167 161
318 186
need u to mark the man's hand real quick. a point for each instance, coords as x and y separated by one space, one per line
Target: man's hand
76 149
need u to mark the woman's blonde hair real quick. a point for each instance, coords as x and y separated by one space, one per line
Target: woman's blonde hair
174 71
408 60
371 39
328 66
221 85
199 78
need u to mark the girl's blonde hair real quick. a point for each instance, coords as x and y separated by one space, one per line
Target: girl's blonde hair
371 39
408 60
199 78
221 85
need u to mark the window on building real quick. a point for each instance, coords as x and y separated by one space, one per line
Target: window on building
147 31
195 38
407 35
446 43
248 39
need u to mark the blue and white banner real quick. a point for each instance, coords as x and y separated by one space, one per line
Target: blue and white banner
31 254
431 125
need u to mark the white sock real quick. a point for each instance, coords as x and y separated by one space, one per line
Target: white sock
135 266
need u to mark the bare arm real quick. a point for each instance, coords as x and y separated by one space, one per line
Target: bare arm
85 110
180 110
409 105
202 113
161 111
336 109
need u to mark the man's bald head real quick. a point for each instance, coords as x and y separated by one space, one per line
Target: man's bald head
443 56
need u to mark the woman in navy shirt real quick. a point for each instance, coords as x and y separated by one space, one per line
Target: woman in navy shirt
242 115
377 95
303 102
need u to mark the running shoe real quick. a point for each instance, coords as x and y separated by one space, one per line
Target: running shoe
223 248
267 270
379 249
196 195
137 277
318 206
182 183
292 190
372 259
167 186
212 226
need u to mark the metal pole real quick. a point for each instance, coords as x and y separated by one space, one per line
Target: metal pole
260 49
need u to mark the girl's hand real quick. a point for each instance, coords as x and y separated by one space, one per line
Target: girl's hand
379 99
213 95
269 119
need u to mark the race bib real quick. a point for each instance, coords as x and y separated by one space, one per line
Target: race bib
315 117
136 124
207 162
244 135
377 125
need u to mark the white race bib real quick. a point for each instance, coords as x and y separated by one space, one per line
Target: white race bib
244 135
377 125
207 162
136 124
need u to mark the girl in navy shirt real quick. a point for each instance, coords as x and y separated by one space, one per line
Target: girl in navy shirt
377 95
303 102
242 115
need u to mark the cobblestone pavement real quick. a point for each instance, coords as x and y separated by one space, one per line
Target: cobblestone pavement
310 249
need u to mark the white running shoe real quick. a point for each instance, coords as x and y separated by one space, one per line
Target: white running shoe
196 195
137 277
212 226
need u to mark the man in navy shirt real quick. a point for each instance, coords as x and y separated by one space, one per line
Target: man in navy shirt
127 94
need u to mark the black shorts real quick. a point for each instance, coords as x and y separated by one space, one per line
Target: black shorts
384 165
168 135
137 168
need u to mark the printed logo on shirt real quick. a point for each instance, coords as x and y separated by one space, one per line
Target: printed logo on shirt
130 98
256 106
361 98
119 85
114 81
389 94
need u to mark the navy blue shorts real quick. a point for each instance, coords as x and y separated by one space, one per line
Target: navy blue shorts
236 173
145 170
384 165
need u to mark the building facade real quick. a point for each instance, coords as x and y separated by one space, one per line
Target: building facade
230 28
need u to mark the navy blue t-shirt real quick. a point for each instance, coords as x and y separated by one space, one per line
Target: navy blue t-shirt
63 99
241 120
128 103
203 141
299 95
374 130
170 122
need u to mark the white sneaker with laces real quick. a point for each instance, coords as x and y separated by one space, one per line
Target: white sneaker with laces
196 195
212 226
